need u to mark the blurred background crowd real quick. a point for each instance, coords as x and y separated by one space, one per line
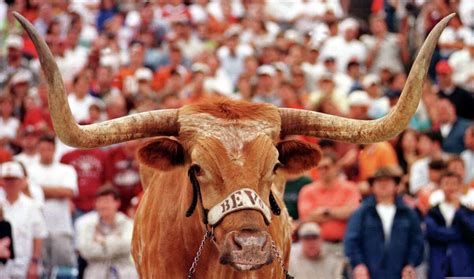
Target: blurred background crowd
401 207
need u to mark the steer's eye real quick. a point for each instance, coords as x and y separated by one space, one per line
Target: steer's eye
196 169
277 166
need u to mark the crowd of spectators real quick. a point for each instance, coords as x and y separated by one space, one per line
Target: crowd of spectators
342 57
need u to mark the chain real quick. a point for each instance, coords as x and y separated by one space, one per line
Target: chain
192 269
280 260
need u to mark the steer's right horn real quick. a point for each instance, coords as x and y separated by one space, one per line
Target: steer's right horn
135 126
316 124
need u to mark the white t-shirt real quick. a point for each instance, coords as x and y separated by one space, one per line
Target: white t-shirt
36 193
27 224
27 159
447 210
387 214
80 108
462 63
468 157
56 211
343 51
9 127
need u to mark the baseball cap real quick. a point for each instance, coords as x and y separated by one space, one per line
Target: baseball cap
21 76
309 229
143 74
348 23
11 169
30 130
266 70
326 76
369 80
200 68
14 41
359 98
443 67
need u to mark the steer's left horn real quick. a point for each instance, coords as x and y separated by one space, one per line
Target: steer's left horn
309 123
136 126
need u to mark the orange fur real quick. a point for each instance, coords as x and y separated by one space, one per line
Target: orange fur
165 241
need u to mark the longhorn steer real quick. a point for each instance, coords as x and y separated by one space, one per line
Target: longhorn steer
232 154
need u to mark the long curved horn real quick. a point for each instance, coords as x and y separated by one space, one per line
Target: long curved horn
309 123
136 126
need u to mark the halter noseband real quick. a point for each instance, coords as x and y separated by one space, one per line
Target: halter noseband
241 199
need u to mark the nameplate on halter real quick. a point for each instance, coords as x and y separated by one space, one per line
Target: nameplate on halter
241 199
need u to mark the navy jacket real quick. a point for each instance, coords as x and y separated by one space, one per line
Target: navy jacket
451 248
364 241
454 142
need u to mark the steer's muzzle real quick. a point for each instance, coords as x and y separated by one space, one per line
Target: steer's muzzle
247 249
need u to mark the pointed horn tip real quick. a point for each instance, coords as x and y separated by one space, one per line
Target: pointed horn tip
446 19
23 21
19 17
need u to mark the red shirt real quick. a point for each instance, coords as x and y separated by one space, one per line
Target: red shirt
123 173
316 195
90 168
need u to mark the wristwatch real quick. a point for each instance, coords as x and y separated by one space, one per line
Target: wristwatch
35 260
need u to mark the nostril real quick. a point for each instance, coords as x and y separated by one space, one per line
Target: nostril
265 243
256 241
237 242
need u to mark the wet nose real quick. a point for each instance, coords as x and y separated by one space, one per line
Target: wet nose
247 250
249 241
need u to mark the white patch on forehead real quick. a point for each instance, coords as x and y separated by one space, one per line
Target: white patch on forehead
233 133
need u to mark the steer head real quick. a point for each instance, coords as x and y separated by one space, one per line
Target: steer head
232 146
233 150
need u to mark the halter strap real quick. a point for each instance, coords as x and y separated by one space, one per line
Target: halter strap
241 199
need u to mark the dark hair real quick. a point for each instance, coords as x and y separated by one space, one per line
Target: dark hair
352 63
450 174
434 136
108 191
437 165
47 138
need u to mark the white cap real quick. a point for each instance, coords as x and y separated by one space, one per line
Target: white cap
293 35
143 74
266 70
309 229
319 34
21 76
359 98
14 41
369 80
200 67
348 23
11 169
326 76
232 31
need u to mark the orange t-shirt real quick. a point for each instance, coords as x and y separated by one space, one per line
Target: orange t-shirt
316 195
375 156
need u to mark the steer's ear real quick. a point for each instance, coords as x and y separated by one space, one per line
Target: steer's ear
162 154
297 156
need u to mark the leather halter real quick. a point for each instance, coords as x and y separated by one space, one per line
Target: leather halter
198 196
